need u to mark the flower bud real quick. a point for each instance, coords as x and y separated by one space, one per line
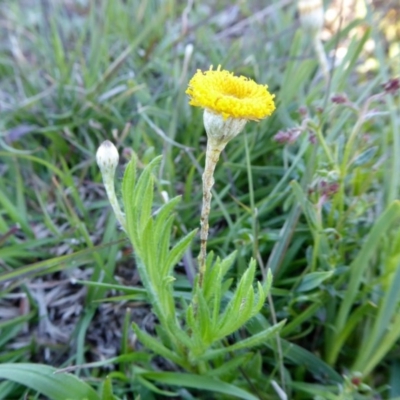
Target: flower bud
107 158
311 14
339 98
392 86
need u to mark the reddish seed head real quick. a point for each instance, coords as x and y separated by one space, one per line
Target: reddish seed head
312 138
282 137
392 86
356 381
288 136
339 98
303 111
329 188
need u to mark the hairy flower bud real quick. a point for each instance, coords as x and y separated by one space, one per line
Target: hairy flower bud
107 158
219 130
311 14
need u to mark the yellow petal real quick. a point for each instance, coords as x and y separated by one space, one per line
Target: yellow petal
230 96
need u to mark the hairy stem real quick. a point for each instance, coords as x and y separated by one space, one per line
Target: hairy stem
110 190
212 156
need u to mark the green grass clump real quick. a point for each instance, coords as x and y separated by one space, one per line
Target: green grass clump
311 194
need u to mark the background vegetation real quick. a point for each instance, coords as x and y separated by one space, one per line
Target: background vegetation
315 204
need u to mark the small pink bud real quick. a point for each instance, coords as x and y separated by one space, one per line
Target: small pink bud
289 136
339 98
392 86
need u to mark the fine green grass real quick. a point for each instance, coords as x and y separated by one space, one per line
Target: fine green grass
321 213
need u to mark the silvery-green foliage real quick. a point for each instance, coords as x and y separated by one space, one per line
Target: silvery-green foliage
194 337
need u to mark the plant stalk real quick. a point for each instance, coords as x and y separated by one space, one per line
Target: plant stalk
212 156
112 198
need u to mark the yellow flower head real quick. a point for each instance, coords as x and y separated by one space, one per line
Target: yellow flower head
230 96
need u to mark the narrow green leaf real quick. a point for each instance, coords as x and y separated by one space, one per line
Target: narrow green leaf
322 391
296 354
163 214
354 49
55 264
212 280
258 339
13 213
387 310
230 365
177 251
359 265
227 263
143 183
391 336
230 315
204 319
199 382
238 316
355 317
259 300
16 321
178 333
263 291
365 156
306 205
163 239
107 390
280 248
6 389
214 275
313 280
138 202
135 234
190 320
148 253
155 345
146 202
45 380
300 318
394 380
218 292
154 388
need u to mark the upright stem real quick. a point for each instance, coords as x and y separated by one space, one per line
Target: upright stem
212 156
112 198
252 200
